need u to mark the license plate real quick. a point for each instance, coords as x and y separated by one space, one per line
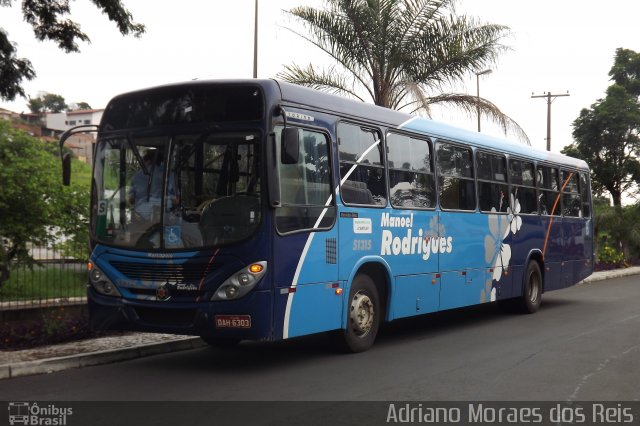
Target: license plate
233 321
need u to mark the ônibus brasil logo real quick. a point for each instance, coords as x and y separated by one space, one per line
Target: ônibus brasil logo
32 414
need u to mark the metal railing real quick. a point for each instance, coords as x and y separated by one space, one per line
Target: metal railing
56 278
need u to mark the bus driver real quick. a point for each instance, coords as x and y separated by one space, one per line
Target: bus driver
145 192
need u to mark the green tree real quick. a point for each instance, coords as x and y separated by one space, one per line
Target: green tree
53 103
36 105
606 134
48 102
80 106
632 219
38 210
49 22
403 54
614 227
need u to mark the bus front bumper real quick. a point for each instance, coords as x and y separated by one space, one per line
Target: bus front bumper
237 319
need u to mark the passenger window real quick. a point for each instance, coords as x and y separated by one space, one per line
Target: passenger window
305 187
362 174
523 188
411 181
571 203
455 177
570 181
586 195
492 182
549 191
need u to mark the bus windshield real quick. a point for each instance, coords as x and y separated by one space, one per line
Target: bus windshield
181 191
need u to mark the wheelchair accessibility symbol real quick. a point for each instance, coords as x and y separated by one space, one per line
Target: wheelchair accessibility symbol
172 236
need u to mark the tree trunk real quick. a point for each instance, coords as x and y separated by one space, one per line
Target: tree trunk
616 196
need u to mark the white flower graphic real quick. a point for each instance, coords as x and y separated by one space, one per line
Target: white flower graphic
496 252
502 261
488 290
515 221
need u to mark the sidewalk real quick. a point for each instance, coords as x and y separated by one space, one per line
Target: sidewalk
104 350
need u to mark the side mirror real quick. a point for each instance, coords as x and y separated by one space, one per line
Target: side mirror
290 146
66 169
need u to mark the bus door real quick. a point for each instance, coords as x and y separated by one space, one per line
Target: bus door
409 230
308 294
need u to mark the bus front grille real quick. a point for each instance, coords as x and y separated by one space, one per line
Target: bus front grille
183 273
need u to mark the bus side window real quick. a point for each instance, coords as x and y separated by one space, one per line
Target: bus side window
455 177
411 181
548 187
361 166
523 187
492 182
586 195
305 187
571 203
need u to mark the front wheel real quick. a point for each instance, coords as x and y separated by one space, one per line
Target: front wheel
363 316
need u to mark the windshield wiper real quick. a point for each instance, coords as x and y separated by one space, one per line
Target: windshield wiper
194 146
136 153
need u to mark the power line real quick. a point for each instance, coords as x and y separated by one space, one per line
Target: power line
550 98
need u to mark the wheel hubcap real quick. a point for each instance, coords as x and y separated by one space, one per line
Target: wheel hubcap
362 314
534 286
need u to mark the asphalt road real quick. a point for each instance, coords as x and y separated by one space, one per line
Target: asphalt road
583 344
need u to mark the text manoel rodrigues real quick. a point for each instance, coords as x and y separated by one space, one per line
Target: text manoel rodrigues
421 244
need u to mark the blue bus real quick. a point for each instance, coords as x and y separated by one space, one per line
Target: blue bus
258 209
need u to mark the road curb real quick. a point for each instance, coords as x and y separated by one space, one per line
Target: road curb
614 273
52 365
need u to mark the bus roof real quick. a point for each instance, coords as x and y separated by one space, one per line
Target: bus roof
304 96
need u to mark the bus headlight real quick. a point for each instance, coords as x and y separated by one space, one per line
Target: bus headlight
241 283
100 282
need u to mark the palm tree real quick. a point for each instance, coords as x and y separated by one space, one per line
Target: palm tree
402 53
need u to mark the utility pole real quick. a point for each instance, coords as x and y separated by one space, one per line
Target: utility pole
255 43
550 98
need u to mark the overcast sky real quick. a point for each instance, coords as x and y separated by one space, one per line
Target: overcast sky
556 45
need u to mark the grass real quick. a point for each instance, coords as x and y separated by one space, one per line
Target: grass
47 282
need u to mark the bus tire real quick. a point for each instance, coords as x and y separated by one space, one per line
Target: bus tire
532 290
363 316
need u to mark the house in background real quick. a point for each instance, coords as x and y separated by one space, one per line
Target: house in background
81 144
66 120
30 123
5 114
51 125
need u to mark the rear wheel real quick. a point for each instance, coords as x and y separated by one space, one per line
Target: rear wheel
532 291
363 316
